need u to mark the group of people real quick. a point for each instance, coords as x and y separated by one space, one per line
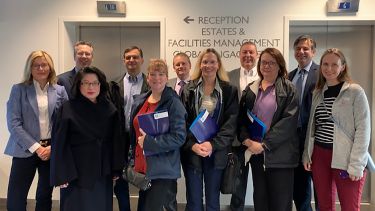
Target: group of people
79 131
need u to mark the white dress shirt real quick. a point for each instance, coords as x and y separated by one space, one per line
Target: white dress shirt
44 122
247 76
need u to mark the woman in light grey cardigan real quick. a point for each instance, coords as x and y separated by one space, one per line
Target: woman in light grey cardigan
338 135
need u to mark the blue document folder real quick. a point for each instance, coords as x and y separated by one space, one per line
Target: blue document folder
257 128
154 123
204 127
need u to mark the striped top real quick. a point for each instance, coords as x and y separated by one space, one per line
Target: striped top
324 126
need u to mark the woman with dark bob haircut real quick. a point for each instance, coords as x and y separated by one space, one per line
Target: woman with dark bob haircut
86 151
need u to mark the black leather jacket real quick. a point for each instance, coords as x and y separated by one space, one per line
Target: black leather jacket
281 139
227 122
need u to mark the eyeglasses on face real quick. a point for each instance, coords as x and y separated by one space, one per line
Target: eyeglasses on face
38 66
270 63
87 84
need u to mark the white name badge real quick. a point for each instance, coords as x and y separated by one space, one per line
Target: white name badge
161 115
250 117
204 116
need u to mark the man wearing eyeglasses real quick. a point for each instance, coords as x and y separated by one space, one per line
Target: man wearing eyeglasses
83 56
240 78
304 78
122 92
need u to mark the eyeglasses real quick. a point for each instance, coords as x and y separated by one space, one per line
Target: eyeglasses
87 84
270 63
38 66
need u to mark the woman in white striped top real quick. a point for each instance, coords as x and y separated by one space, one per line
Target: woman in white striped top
338 135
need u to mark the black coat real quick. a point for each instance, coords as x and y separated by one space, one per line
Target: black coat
281 139
227 122
85 143
116 95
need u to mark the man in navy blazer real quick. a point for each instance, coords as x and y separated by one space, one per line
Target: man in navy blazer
304 50
240 78
83 56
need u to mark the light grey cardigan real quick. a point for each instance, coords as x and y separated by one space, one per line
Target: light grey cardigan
351 111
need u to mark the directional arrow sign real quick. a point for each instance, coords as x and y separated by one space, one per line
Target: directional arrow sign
188 19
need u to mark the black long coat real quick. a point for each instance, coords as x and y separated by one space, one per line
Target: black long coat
85 143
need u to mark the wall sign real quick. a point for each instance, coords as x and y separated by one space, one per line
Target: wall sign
111 8
342 6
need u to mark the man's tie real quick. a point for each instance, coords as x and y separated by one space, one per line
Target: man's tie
299 84
181 84
133 79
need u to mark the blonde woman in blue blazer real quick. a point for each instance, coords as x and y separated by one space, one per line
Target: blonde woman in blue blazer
30 112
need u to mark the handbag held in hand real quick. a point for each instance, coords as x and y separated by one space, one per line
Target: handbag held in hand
231 172
137 179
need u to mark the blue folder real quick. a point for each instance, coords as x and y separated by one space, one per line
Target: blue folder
154 123
257 128
204 127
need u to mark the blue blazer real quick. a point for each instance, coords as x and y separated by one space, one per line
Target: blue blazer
312 77
66 80
23 116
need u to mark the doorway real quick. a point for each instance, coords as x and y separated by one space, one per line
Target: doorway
110 37
110 42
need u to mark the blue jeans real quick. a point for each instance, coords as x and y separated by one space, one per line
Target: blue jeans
121 191
194 186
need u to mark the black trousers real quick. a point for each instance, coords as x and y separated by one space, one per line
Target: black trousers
302 189
155 198
121 190
302 181
273 187
21 176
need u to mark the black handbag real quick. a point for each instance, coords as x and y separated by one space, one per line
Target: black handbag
137 179
230 175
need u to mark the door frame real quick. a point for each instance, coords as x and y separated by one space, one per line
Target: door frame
339 21
68 34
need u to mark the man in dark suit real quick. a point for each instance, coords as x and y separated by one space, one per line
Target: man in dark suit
240 78
122 91
182 66
304 77
83 56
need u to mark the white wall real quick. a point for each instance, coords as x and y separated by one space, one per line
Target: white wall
33 24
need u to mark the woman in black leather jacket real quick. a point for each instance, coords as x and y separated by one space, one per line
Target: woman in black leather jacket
208 89
273 99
